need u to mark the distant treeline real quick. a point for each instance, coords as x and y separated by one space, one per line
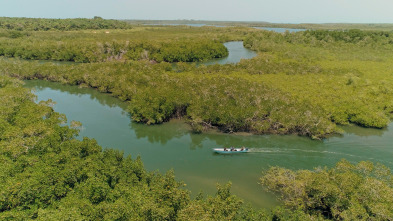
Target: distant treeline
351 36
45 24
271 41
331 26
313 26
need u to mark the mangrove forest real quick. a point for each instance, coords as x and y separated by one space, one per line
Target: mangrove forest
309 83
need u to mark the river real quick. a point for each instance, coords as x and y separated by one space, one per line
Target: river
172 145
236 52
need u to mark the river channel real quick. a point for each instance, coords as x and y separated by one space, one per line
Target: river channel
172 145
236 52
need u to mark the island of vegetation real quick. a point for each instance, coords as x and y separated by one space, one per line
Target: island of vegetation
302 83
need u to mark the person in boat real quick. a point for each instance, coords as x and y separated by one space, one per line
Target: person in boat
225 149
242 149
232 149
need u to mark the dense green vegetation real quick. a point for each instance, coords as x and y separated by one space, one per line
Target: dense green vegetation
45 24
99 46
99 51
345 73
48 174
300 83
345 192
156 93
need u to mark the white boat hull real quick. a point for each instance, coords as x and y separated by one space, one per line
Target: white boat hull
230 151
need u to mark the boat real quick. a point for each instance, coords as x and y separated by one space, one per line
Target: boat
230 150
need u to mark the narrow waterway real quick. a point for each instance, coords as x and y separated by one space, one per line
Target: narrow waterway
236 52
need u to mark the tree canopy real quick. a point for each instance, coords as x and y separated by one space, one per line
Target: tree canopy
45 24
362 191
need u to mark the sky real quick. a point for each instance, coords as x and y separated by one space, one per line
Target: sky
275 11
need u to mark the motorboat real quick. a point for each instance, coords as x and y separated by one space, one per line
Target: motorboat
230 150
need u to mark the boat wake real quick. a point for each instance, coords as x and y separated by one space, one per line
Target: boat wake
287 151
264 150
279 150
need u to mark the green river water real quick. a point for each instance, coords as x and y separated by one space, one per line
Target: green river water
172 145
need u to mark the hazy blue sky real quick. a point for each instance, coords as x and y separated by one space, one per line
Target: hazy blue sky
281 11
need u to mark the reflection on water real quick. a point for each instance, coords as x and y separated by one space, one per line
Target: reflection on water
363 132
236 52
101 98
171 145
154 134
